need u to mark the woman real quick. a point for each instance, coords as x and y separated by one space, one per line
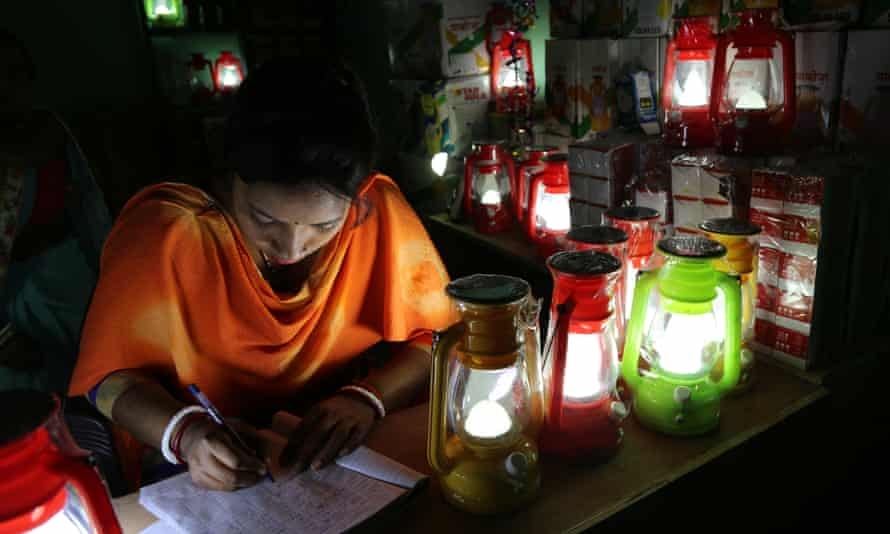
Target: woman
263 290
54 220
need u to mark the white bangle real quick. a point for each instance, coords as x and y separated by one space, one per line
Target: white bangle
171 429
367 394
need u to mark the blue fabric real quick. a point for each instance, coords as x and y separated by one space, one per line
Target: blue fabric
46 297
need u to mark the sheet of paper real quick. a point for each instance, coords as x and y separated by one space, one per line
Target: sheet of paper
363 460
328 501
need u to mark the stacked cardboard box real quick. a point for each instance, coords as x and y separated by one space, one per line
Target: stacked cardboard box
865 100
818 73
601 172
787 206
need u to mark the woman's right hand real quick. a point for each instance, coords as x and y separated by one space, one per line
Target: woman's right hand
215 461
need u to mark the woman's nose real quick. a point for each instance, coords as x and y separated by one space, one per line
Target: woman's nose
293 241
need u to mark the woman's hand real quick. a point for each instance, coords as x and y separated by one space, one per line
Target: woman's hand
216 461
330 429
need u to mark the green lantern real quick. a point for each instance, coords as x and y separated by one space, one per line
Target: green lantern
165 13
686 317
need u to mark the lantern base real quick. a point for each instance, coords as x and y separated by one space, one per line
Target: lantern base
693 130
656 406
750 134
486 223
495 484
585 433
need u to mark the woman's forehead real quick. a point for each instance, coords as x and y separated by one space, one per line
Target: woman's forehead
305 202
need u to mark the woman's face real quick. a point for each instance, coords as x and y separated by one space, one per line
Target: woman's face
284 224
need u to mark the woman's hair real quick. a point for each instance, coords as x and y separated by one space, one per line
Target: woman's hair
299 121
11 41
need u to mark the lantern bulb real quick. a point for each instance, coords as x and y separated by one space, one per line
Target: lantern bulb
230 77
491 198
686 344
487 420
751 99
439 163
693 93
554 213
584 367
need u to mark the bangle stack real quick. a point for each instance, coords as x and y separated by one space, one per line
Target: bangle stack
175 428
369 393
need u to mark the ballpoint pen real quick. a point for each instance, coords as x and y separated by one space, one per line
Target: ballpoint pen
215 415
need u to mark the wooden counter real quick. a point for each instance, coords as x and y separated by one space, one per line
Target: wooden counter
572 498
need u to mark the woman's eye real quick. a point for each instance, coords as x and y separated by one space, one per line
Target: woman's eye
327 227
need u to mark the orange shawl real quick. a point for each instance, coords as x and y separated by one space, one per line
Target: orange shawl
179 293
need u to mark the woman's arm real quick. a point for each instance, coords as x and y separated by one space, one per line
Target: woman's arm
143 407
337 425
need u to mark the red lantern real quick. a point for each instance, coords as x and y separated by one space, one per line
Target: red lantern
46 484
228 73
491 198
512 73
609 240
486 150
641 226
583 409
753 95
686 89
530 166
549 215
201 82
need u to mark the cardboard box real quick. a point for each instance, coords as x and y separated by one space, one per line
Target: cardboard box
865 97
818 64
647 18
565 18
433 39
566 108
697 8
596 83
469 98
601 18
876 13
610 160
584 213
801 12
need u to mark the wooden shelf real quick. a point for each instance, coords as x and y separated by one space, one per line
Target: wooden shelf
573 498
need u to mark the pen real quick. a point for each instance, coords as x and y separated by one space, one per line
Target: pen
215 415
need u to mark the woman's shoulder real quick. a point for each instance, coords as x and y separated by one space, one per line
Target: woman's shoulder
172 196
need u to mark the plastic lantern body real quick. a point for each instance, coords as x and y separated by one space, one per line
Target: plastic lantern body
753 96
490 189
486 150
46 482
686 88
512 73
740 239
643 231
200 75
530 165
682 337
549 215
228 73
165 13
583 411
609 240
486 397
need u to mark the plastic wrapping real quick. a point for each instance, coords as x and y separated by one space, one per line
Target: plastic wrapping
787 205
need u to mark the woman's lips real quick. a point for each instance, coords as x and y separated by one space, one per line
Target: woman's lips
281 263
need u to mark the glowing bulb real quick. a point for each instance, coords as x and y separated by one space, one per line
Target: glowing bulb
687 344
163 7
439 163
230 77
553 212
693 93
487 420
583 372
751 99
491 198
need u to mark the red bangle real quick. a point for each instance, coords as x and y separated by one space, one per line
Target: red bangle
177 437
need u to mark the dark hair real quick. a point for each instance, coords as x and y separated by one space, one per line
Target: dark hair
299 121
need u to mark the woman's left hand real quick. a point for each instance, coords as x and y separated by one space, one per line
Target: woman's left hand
332 428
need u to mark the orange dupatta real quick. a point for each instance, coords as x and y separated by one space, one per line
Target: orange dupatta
179 293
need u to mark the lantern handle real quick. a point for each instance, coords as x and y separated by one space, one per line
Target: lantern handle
86 481
558 344
730 285
630 363
533 203
443 342
529 315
